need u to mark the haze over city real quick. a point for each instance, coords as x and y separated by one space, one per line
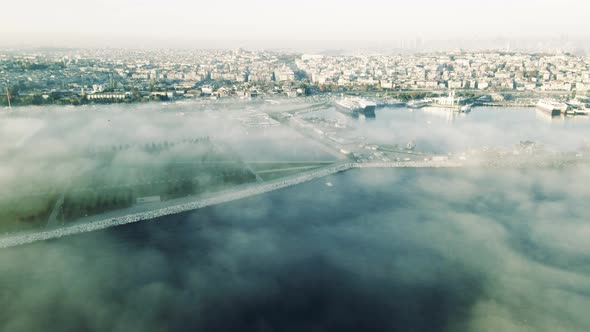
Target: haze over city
299 25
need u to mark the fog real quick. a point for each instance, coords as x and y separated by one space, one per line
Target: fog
442 132
462 251
50 144
390 249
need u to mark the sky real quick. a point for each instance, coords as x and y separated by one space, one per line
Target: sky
268 24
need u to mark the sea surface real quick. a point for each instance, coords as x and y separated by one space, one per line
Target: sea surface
441 131
363 250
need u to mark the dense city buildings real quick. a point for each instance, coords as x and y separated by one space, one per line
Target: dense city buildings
456 70
71 76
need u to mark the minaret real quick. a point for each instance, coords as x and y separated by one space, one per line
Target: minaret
8 96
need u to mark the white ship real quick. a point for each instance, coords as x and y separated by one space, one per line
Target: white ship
583 111
356 106
551 107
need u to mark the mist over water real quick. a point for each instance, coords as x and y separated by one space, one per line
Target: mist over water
442 131
48 145
379 250
398 250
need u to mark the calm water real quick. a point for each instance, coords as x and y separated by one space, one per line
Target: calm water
365 250
443 131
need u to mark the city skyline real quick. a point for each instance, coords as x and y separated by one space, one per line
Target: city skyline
303 25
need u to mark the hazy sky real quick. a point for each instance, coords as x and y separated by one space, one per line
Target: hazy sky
270 23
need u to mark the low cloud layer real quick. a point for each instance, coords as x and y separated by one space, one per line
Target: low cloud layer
379 250
47 146
397 250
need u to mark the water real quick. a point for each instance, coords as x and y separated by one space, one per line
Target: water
442 131
368 250
53 132
399 250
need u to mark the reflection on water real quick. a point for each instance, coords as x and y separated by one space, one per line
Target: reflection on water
546 117
448 115
442 131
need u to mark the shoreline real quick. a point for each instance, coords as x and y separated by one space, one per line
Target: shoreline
236 99
149 211
190 203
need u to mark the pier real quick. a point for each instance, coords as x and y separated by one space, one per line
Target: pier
148 211
154 210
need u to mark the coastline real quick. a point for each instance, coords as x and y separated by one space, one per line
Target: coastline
189 203
149 211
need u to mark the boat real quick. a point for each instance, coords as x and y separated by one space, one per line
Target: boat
576 108
551 107
466 108
356 106
390 103
573 111
418 103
